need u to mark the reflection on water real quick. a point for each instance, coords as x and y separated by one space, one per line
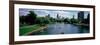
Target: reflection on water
62 28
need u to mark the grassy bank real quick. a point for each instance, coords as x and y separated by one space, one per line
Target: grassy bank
26 29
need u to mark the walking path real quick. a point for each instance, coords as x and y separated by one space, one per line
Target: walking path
41 28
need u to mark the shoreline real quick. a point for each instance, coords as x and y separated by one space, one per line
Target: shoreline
82 24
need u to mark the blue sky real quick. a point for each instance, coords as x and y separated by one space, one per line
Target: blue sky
53 13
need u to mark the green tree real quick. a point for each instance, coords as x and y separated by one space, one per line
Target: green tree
66 20
31 18
22 20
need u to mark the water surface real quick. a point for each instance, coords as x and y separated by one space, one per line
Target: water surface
63 28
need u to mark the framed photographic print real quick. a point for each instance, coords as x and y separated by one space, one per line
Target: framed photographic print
37 22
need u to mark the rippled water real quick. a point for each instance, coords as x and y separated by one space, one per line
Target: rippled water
62 28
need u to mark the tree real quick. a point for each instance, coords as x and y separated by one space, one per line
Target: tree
31 18
66 20
22 20
42 21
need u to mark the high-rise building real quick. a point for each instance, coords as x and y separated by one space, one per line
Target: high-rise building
73 17
88 18
58 17
81 16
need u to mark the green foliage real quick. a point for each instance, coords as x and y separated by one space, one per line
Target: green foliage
32 15
28 19
43 20
22 19
31 18
74 21
66 20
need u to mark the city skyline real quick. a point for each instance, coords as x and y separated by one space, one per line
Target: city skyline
53 13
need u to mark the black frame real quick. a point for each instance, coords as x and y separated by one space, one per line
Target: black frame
11 21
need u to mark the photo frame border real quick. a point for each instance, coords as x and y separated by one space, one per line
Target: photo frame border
11 21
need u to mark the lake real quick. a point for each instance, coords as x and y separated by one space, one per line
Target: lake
62 28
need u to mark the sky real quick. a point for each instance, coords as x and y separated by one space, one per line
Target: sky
53 13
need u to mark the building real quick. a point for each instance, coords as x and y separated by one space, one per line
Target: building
81 16
58 17
88 18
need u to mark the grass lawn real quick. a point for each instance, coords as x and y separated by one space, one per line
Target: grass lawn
25 29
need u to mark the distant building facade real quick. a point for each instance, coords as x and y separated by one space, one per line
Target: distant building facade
81 16
88 18
58 17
